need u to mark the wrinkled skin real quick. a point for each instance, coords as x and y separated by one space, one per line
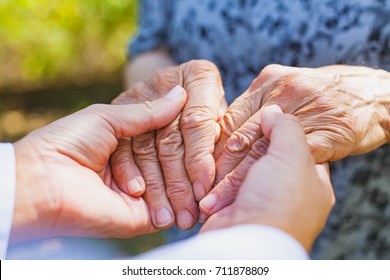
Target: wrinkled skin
298 202
343 110
176 164
64 184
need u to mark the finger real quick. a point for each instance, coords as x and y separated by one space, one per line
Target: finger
276 126
241 110
145 155
225 192
198 122
286 134
126 173
170 148
238 146
322 147
222 108
134 119
324 176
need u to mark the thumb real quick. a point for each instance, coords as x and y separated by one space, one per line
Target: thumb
135 119
285 133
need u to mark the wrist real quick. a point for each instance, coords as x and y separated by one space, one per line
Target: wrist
383 102
33 201
303 237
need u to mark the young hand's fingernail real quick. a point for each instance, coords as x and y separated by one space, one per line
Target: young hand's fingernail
199 190
163 217
134 187
176 92
209 202
273 108
184 219
202 218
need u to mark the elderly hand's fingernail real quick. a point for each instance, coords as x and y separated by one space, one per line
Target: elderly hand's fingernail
273 109
163 217
199 190
184 219
176 92
209 202
134 187
202 218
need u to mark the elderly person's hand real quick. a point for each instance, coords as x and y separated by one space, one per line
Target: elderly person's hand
64 185
176 164
344 111
285 189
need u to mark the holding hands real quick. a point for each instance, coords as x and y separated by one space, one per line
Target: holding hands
64 184
344 110
144 163
341 109
173 167
285 189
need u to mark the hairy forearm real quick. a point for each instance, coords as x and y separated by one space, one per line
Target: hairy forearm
145 65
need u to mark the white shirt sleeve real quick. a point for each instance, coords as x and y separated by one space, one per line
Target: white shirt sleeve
7 194
248 242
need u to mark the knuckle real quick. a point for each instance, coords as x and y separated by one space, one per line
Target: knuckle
203 71
120 158
144 144
237 143
200 66
148 107
259 148
178 191
228 123
169 149
170 142
269 72
154 186
233 181
271 69
195 116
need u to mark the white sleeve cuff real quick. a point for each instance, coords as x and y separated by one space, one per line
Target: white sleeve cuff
239 242
7 194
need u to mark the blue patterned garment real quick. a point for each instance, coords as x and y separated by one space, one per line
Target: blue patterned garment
243 36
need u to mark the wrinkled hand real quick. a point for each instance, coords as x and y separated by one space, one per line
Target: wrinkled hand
342 109
64 185
285 189
175 163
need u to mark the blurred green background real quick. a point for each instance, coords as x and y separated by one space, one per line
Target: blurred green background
56 57
59 56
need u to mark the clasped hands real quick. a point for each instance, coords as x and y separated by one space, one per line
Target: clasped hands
207 149
131 169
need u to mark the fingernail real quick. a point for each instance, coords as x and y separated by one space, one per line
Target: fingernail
175 92
199 190
134 187
163 217
209 202
202 218
273 108
184 219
